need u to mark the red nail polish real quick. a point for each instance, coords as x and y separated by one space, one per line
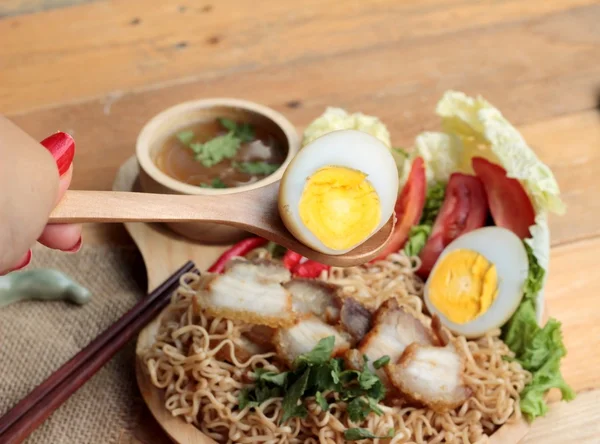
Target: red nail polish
62 147
75 248
24 262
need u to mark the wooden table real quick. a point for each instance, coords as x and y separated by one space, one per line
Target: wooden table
101 69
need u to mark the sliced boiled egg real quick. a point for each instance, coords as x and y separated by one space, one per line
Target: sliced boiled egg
338 191
477 282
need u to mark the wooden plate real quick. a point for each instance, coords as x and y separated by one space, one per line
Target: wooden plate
164 252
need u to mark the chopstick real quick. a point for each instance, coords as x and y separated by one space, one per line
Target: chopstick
32 410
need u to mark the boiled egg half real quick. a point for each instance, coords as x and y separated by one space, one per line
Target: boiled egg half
338 191
477 282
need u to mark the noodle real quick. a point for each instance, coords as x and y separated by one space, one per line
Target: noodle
186 361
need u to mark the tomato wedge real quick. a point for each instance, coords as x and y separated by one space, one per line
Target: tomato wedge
464 209
510 205
408 208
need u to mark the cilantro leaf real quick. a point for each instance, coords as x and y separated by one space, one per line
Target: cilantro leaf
367 379
185 137
216 183
215 150
358 409
381 362
292 396
242 131
322 401
318 355
278 379
256 167
356 434
228 124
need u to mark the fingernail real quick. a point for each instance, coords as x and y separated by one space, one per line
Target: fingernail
75 248
26 260
62 147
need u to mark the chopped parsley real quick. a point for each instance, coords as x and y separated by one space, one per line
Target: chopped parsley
317 374
256 168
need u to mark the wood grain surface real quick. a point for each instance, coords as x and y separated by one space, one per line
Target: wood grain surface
100 69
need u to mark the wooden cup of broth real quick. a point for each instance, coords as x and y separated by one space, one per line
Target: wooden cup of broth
214 146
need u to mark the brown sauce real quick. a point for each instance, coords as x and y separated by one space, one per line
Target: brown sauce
178 159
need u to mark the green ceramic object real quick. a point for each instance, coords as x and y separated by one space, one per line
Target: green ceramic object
41 284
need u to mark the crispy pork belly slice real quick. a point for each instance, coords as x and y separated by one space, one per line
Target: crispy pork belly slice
304 336
316 297
250 292
355 318
430 375
393 330
325 301
261 270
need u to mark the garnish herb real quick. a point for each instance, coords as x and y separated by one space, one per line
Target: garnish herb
216 183
221 147
317 374
215 150
322 401
420 233
381 362
242 131
256 167
185 137
356 434
538 350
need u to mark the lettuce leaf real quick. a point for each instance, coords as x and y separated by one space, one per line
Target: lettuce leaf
334 119
479 125
538 350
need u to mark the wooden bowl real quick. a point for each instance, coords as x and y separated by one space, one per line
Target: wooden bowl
163 125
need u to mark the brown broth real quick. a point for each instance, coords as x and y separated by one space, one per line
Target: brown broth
177 160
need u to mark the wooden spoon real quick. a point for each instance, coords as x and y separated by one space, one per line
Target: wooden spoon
254 211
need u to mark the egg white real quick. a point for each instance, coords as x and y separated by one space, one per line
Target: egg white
345 148
505 250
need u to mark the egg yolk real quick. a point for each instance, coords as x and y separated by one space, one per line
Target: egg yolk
340 207
463 286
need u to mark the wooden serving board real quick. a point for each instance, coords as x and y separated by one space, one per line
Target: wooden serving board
164 252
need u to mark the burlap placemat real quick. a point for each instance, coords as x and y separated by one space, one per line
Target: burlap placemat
37 337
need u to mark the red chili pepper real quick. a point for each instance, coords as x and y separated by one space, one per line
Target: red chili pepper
240 249
309 269
291 259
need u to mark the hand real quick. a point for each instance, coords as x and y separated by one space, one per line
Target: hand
58 236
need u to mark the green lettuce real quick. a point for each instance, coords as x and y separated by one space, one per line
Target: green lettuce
334 119
538 350
420 233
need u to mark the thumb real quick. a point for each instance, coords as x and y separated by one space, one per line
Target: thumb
28 191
